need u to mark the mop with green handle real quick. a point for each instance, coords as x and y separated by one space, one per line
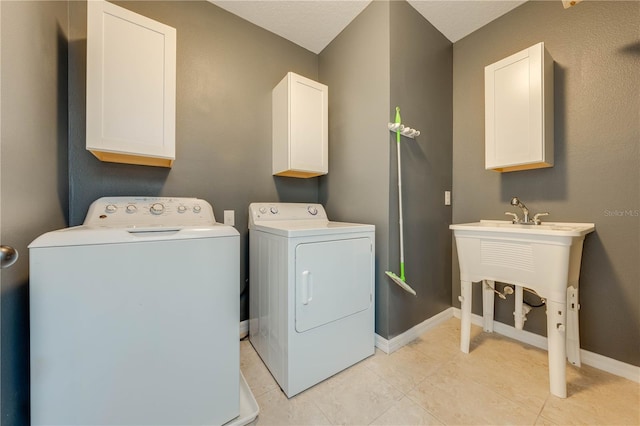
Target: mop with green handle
400 280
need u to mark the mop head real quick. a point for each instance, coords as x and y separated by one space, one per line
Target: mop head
396 279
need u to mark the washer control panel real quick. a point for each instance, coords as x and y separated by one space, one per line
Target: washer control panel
142 212
286 211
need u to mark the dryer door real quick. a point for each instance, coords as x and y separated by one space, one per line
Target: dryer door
334 279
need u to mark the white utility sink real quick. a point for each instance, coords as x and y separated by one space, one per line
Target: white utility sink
564 229
544 258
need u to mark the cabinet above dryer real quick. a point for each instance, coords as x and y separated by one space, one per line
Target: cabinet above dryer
300 127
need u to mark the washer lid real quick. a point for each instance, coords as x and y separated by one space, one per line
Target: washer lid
87 235
304 228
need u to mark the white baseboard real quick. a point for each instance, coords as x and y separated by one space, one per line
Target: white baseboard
611 365
390 346
244 329
601 362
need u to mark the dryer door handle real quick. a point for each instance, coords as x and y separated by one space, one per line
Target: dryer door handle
307 287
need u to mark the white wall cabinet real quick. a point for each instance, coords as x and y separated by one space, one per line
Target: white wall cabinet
131 87
300 127
519 111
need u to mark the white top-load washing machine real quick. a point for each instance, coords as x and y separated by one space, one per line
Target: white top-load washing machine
311 292
135 317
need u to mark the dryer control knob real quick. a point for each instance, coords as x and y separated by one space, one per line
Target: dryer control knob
262 210
274 210
131 208
197 208
111 208
182 209
312 210
156 208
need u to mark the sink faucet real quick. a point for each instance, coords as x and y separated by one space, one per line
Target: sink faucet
515 201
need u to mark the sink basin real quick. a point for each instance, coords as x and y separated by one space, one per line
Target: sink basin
544 258
565 229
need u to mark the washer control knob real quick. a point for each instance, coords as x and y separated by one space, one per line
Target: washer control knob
156 208
111 208
197 208
182 209
263 210
312 210
131 208
274 210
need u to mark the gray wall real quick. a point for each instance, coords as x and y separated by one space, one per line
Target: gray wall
226 69
596 177
421 85
355 66
390 55
34 170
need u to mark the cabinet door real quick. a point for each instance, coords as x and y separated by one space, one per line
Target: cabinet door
131 71
519 111
300 127
308 125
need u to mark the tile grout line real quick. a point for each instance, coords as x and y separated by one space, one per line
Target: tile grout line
426 379
542 409
404 394
426 409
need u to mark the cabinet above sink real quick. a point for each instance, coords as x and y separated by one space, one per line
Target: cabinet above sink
519 111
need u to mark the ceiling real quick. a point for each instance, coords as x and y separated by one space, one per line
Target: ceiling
313 24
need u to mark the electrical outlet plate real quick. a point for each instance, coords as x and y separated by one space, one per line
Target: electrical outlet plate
447 198
229 217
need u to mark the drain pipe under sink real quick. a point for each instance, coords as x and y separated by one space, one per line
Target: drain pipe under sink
521 309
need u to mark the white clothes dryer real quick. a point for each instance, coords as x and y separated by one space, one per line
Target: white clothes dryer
311 292
134 317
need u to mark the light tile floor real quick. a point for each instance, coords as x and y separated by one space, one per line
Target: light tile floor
430 382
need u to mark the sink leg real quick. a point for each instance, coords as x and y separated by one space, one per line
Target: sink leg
573 333
465 315
488 301
556 338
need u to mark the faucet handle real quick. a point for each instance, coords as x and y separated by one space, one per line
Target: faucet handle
515 219
536 218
